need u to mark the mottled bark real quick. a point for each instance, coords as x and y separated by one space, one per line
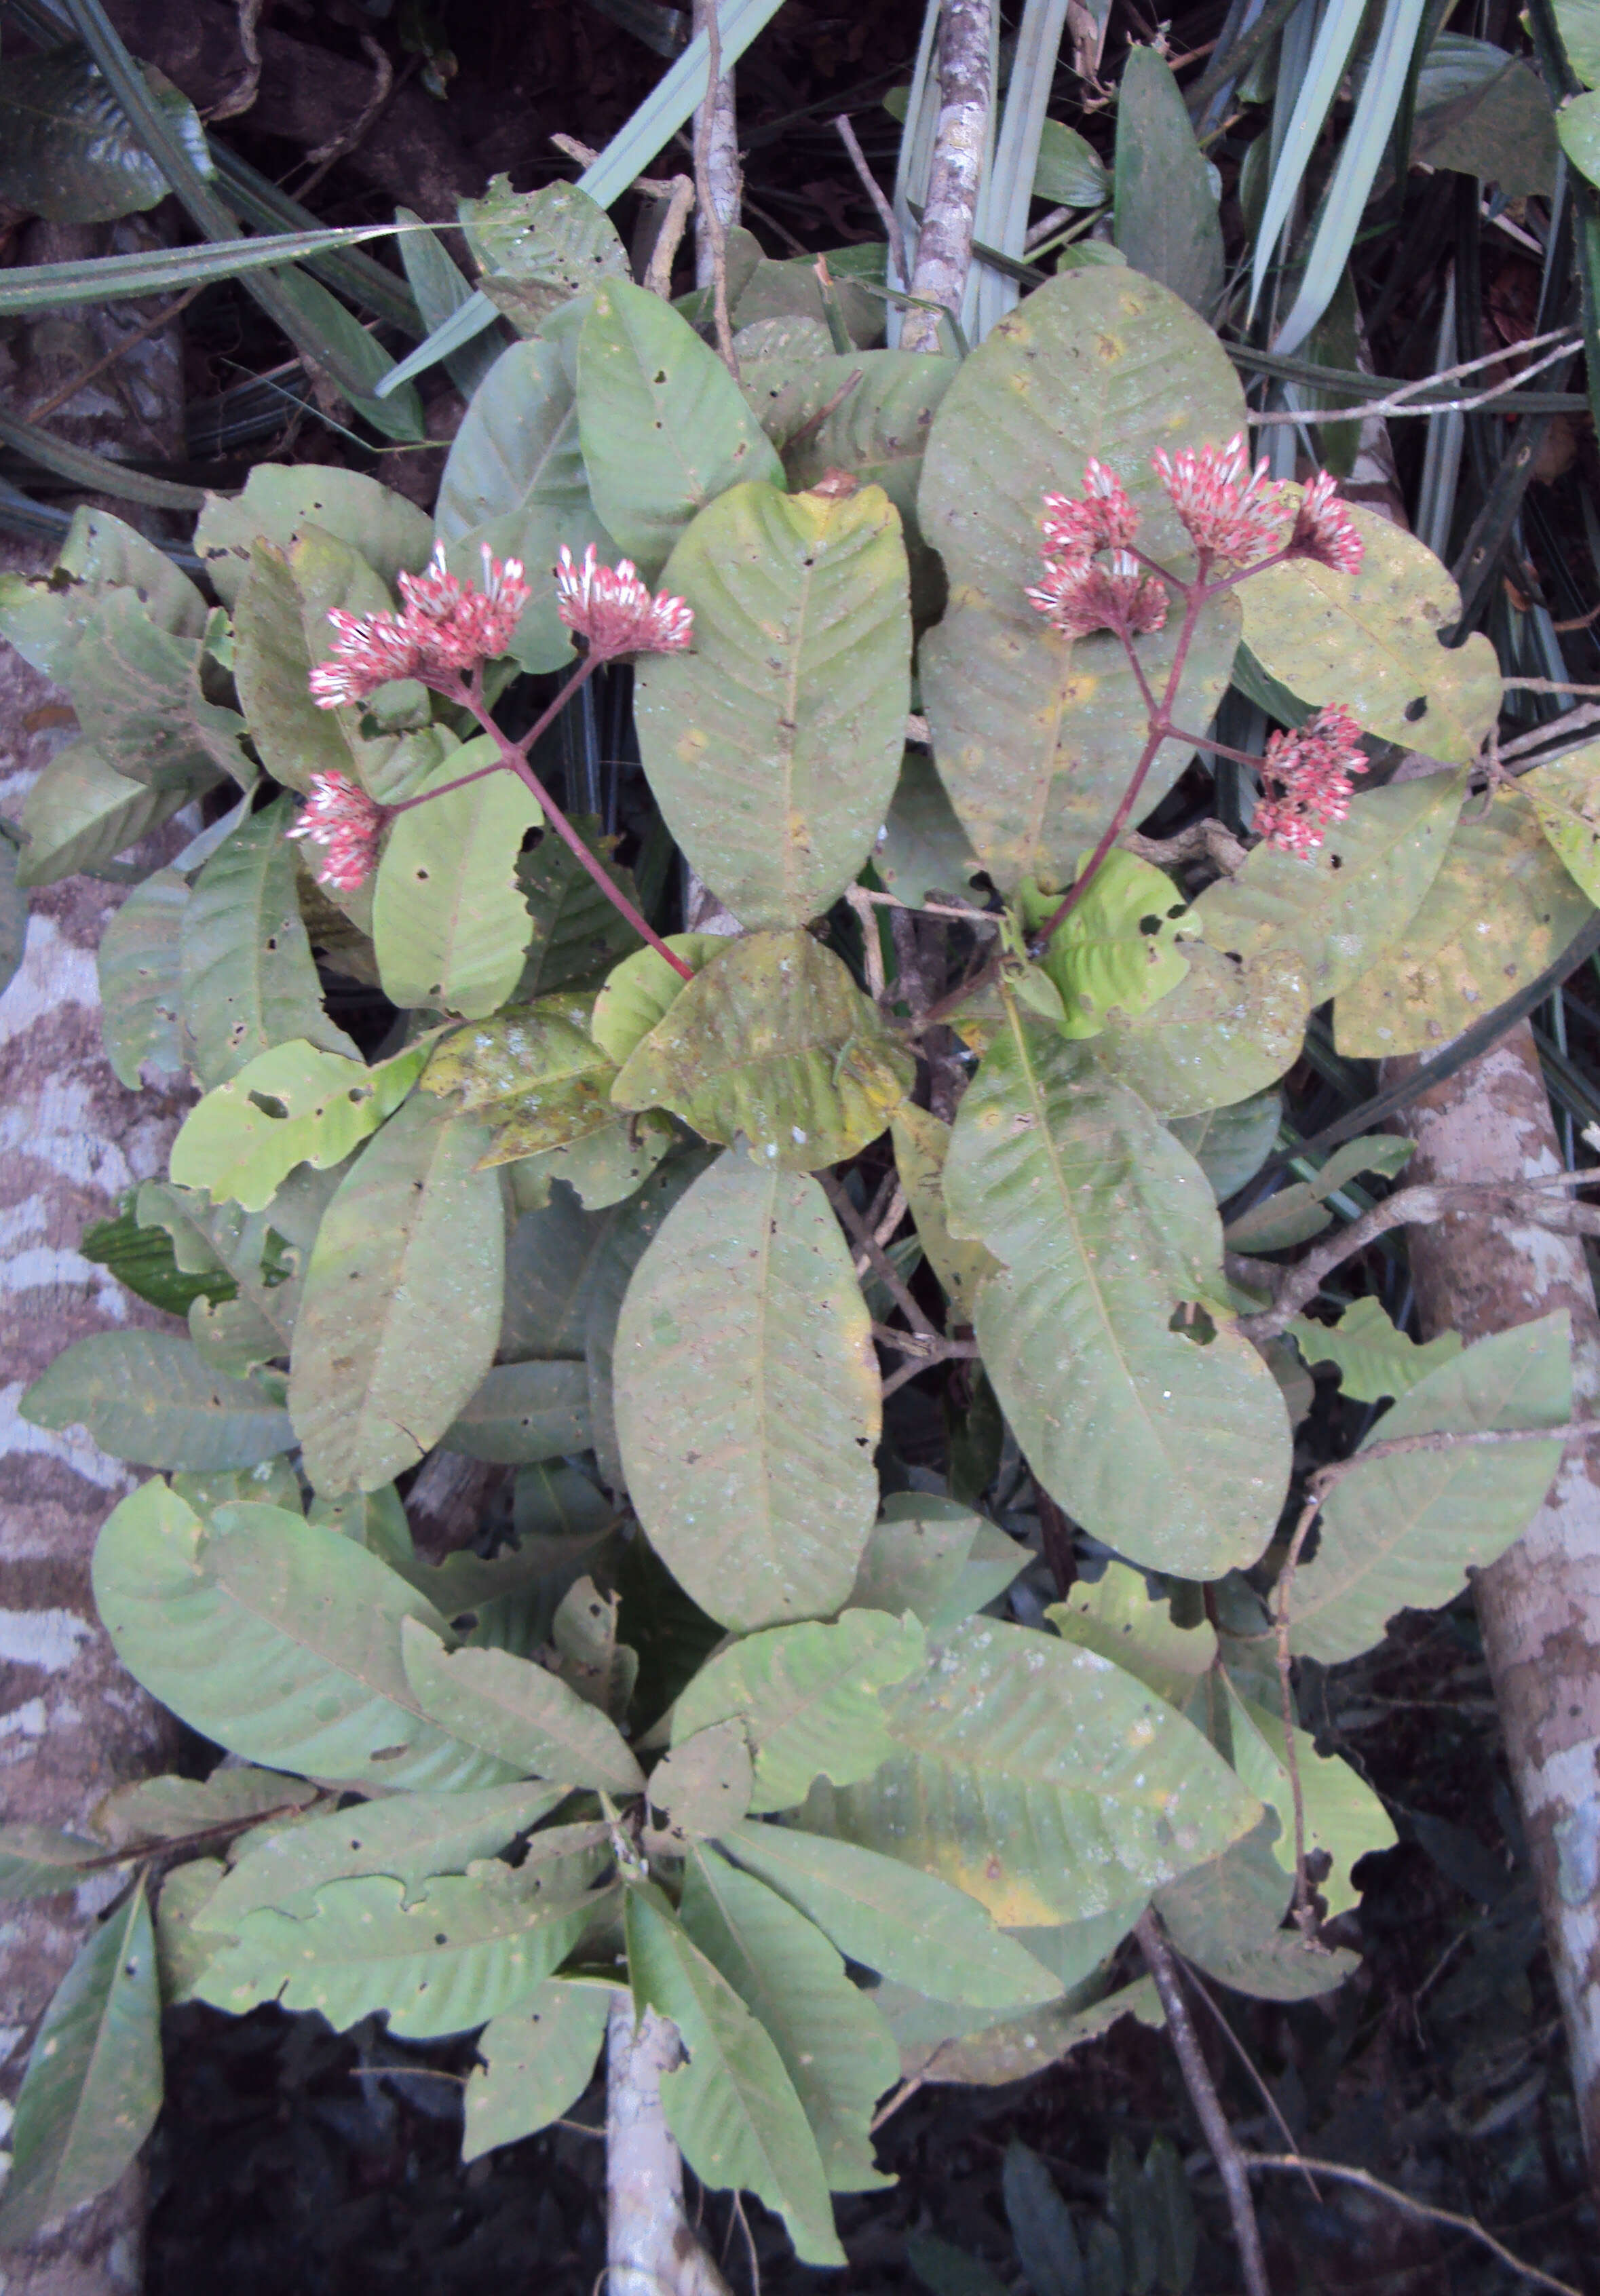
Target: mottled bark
651 2247
724 179
944 246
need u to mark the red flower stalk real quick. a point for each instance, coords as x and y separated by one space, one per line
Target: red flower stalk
347 821
1308 778
616 612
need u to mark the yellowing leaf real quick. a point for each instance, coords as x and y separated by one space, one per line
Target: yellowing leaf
922 1142
1565 795
292 1106
1117 947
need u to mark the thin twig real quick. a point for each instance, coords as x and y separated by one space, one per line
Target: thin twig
927 908
654 187
873 189
1203 2096
1192 1979
1341 2175
1403 401
1545 685
247 86
871 947
906 2090
347 138
680 205
866 1240
87 374
928 1352
1282 1623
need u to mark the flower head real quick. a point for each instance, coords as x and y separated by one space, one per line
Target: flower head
1230 510
1078 594
616 612
447 626
1308 775
1101 517
348 823
1323 529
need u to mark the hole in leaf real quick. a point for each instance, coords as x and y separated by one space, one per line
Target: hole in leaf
1416 710
269 1104
1193 1322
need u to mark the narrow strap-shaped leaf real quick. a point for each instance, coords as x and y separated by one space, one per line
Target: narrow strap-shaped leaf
1335 37
42 286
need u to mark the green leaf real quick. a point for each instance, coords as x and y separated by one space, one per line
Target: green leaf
1176 1454
280 499
921 851
35 1861
1226 1033
1116 1615
1292 1215
663 427
92 2088
1482 112
291 1105
470 1947
702 1788
833 2043
447 917
80 813
1224 1917
1500 910
1565 795
732 2107
948 2271
1342 907
1041 2224
1577 127
789 290
402 1301
145 1397
1343 1818
1231 1145
539 248
520 1714
639 992
774 1041
278 1639
139 693
144 1261
1167 221
1033 733
537 2059
182 1952
892 1917
1014 2048
1039 1778
169 1809
1401 1532
922 1142
1371 641
523 1413
774 747
438 290
1117 947
577 932
1070 172
1578 23
620 1245
807 1698
514 481
747 1301
410 1837
248 977
70 154
935 1559
1374 1361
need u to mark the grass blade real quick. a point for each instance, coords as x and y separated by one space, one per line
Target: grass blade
104 278
365 283
100 473
1007 187
1313 100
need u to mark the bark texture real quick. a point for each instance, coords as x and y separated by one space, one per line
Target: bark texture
724 179
651 2249
1539 1605
944 247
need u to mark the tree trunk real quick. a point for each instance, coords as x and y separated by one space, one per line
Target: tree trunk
651 2249
944 246
726 182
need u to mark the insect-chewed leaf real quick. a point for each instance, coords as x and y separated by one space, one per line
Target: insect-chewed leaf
640 991
1032 732
166 1809
774 1040
282 499
1041 1779
1117 1615
1500 909
540 249
1401 1532
922 1142
278 1639
1117 947
617 1253
663 427
1339 909
808 1697
447 917
1565 795
1173 1452
292 1106
537 2059
146 1397
1371 640
775 746
80 812
893 1917
401 1309
141 979
1375 1360
92 2088
704 1785
248 979
514 481
138 693
836 2046
37 1861
1224 1033
936 1559
524 1412
1227 1915
410 1837
543 1086
732 2107
1343 1818
747 1303
1231 1145
518 1713
469 1946
1291 1215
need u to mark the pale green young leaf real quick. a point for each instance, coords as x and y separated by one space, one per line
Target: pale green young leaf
807 1698
278 1639
519 1713
1231 1145
774 746
747 1301
891 1916
1167 221
537 2060
401 1308
145 1397
1226 1032
732 2107
703 1786
922 1142
772 1041
291 1105
410 1837
168 1809
1174 1453
1565 795
620 1244
448 917
524 1412
80 813
469 1947
642 989
248 979
1225 1917
834 2044
1118 946
1578 23
1376 1361
92 2088
1371 640
1343 1818
37 1861
280 499
139 964
664 429
1117 1615
1401 1532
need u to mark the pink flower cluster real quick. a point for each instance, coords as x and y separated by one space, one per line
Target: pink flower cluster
615 611
1077 594
348 823
447 626
1230 511
1307 775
